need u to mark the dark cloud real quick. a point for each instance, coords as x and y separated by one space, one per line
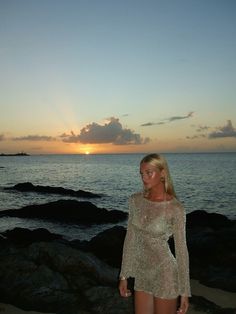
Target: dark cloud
35 138
194 137
202 128
2 137
152 123
189 115
168 120
225 131
110 132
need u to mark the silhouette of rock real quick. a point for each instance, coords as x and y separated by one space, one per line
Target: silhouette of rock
25 236
49 276
29 187
68 211
202 219
211 245
55 277
108 245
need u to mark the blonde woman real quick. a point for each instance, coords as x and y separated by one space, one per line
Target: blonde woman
155 215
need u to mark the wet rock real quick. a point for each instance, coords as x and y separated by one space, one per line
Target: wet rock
68 211
29 187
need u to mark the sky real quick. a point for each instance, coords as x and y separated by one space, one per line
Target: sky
108 76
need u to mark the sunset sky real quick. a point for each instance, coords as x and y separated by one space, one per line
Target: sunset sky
108 76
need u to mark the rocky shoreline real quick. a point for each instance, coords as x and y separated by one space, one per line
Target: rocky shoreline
44 272
45 189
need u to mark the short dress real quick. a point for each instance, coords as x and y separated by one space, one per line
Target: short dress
146 253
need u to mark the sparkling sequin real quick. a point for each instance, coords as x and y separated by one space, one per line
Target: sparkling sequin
146 253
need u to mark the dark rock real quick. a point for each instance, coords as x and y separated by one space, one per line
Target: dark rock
26 236
108 245
202 219
108 300
68 211
56 276
29 187
211 242
49 276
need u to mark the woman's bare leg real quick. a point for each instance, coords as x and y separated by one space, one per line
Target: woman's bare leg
165 306
143 302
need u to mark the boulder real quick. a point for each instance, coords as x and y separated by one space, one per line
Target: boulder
51 274
48 276
25 236
70 211
108 245
29 187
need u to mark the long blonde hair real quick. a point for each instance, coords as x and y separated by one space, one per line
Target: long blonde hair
160 163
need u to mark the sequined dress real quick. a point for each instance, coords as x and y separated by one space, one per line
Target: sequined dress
146 253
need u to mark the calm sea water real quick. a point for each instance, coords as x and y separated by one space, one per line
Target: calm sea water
202 181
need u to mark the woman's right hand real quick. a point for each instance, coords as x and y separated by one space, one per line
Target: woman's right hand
123 288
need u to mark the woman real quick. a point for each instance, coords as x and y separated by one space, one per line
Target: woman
156 215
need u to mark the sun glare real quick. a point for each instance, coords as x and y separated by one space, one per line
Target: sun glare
87 152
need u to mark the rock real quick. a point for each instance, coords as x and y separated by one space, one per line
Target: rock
108 245
211 240
49 276
202 219
68 211
108 300
29 187
25 236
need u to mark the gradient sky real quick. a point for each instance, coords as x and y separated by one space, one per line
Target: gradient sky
107 76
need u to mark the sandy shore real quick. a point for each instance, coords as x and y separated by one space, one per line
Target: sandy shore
220 297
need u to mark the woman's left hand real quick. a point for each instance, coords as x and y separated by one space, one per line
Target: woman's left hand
184 304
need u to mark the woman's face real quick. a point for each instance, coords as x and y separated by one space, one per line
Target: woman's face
150 175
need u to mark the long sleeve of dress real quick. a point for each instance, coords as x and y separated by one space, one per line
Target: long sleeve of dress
129 247
181 252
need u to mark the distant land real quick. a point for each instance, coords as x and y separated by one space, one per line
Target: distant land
17 154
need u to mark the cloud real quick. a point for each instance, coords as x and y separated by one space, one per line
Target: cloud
168 120
110 132
35 138
194 137
225 131
2 137
202 128
152 123
189 115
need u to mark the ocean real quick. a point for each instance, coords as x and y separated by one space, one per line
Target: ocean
202 181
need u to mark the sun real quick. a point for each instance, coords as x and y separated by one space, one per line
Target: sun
87 152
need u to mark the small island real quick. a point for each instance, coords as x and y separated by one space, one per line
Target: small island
17 154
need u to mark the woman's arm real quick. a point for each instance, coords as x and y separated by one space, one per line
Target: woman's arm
128 255
181 251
